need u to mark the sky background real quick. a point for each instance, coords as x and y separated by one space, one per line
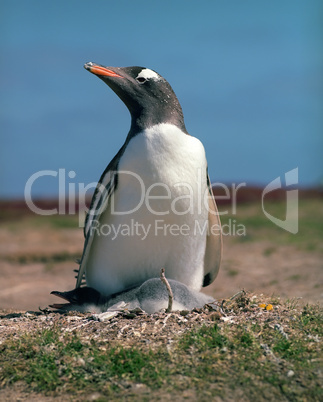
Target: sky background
247 74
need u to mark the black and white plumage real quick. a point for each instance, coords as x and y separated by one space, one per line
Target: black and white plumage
160 158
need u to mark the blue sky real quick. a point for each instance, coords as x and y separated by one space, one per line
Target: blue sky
248 76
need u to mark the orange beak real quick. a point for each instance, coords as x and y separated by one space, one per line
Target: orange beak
99 70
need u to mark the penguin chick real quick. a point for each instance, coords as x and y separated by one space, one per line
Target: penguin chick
151 297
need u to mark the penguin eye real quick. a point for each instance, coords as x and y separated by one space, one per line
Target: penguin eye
141 80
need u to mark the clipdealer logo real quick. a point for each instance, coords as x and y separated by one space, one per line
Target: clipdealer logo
290 223
194 203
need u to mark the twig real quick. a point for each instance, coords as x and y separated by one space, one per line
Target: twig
169 290
240 293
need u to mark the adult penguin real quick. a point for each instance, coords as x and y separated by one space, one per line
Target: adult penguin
153 207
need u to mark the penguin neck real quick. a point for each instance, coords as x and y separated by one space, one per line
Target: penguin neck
154 116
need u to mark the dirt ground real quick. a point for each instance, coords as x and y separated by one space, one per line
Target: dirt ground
37 255
36 259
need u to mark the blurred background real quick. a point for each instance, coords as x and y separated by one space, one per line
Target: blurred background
249 78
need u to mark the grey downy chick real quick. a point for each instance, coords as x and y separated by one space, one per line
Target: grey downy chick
151 296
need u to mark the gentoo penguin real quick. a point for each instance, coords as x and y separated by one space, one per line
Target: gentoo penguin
151 297
153 207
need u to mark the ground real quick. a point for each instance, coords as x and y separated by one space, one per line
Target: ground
37 255
274 267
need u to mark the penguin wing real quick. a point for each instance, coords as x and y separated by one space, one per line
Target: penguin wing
103 190
213 251
100 201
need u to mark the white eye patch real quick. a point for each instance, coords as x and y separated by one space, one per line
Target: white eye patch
148 74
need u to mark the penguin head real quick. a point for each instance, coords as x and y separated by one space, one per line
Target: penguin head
148 96
79 299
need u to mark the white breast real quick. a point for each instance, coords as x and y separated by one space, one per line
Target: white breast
156 215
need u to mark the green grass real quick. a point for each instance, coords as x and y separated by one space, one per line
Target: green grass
48 259
203 339
48 361
41 221
220 359
64 221
259 227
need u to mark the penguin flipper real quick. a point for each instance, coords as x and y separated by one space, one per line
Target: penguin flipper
100 207
100 201
213 250
105 187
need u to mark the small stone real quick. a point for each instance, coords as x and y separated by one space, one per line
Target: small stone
228 319
290 373
94 397
80 361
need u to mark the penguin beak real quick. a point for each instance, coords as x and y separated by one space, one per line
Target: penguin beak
100 70
63 295
77 296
